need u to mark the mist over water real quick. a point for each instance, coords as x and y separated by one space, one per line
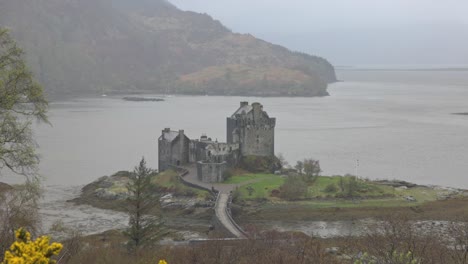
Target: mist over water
374 129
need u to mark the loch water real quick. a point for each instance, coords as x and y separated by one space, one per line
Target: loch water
377 130
378 125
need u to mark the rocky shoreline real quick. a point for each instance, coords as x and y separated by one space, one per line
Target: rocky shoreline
110 192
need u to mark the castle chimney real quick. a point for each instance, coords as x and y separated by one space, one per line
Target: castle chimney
257 110
166 130
181 132
257 106
244 104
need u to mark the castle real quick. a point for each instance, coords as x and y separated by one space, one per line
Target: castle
250 131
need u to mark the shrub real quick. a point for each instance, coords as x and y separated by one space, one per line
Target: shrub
331 188
24 250
293 188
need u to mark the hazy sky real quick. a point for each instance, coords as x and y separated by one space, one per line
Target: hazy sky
316 26
328 14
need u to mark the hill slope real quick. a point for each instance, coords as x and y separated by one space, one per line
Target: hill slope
79 47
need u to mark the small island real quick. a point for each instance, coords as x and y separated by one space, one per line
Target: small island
244 182
142 99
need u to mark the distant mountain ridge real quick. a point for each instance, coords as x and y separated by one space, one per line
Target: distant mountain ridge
78 47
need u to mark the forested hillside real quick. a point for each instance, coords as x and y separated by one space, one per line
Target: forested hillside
85 47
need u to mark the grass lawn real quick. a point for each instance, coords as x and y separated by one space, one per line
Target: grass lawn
245 178
261 188
370 195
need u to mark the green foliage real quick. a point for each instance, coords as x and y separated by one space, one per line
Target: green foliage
144 229
236 179
311 169
21 102
262 185
351 186
331 188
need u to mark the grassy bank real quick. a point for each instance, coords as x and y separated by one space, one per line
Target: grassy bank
259 198
267 187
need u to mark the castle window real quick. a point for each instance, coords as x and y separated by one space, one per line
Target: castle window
209 153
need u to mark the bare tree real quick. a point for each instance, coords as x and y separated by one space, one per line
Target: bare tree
283 162
311 169
299 167
18 208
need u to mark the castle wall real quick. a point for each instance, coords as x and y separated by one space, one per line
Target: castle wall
250 131
254 130
164 155
258 140
180 151
211 172
174 151
231 125
210 151
193 151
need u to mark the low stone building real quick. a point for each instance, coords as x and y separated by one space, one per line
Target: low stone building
250 131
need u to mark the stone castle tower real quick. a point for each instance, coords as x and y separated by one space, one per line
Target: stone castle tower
252 129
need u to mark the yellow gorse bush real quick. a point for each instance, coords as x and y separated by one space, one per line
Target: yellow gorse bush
25 251
162 261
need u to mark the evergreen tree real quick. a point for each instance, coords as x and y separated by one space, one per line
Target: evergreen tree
144 227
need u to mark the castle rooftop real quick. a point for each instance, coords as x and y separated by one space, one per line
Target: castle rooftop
243 109
169 135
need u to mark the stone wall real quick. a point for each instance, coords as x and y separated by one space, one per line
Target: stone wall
231 133
173 151
250 132
257 140
211 172
253 130
164 155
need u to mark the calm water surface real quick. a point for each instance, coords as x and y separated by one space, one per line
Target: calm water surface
373 129
380 125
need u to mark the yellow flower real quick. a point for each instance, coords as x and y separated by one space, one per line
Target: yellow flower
25 251
162 261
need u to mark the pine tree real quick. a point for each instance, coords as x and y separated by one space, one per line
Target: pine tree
144 227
